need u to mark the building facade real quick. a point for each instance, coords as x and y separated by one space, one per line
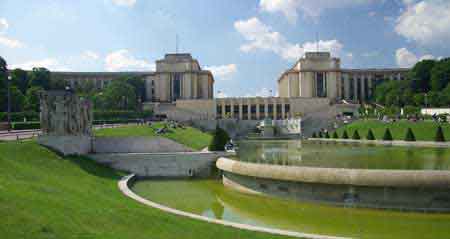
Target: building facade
177 76
320 75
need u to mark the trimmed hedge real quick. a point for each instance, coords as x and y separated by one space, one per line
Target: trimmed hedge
335 135
327 135
410 135
387 135
356 135
25 125
220 138
370 135
19 116
345 135
121 114
314 135
320 134
439 135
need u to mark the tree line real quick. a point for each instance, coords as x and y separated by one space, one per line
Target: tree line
426 85
124 93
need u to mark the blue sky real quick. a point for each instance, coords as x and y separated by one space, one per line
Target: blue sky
247 44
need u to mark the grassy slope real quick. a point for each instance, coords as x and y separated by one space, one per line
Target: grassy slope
45 196
189 136
422 130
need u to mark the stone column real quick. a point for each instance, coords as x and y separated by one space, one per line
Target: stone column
223 110
240 109
363 88
266 109
370 86
283 113
257 111
346 87
232 109
249 109
355 88
274 110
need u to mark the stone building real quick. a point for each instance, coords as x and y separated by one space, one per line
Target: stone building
320 75
177 76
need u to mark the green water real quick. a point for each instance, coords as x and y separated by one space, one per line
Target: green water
332 155
210 198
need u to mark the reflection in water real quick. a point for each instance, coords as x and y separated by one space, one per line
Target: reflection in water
211 199
296 153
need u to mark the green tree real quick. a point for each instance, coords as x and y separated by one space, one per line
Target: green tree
17 100
314 135
344 134
421 75
335 135
139 86
40 77
327 135
370 135
410 135
440 74
220 138
419 99
356 135
3 92
387 135
58 83
119 95
20 80
439 135
32 101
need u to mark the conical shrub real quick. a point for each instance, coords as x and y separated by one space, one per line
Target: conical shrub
410 135
387 135
335 135
320 134
314 135
345 135
327 135
356 135
439 135
220 138
370 135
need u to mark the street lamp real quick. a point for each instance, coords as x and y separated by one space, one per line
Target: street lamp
8 83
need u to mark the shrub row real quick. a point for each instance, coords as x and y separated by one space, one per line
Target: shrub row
118 114
26 125
387 136
20 116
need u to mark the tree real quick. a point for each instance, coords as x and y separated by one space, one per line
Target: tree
327 135
387 135
410 135
3 92
139 86
344 134
20 80
370 135
220 138
320 134
314 135
40 77
440 74
439 135
335 135
356 135
32 101
119 95
421 75
58 83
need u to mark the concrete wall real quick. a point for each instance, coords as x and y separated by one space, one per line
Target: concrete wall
194 164
136 145
396 189
67 145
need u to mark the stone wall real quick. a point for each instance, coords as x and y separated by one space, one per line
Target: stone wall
193 164
137 145
391 189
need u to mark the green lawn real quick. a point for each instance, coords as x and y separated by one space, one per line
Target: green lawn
424 130
45 196
188 136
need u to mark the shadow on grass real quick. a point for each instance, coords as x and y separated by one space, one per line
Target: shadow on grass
94 168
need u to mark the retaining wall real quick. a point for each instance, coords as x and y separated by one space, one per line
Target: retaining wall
136 145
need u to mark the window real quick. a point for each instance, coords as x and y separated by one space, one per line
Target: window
177 86
321 84
351 88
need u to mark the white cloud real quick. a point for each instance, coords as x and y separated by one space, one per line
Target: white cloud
223 71
122 60
310 8
261 37
263 92
372 13
405 58
90 55
426 22
49 63
125 3
10 43
3 25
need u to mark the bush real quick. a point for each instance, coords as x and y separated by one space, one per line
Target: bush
25 125
410 135
356 135
220 138
20 116
370 135
387 135
314 135
320 134
327 135
439 135
121 114
335 135
345 135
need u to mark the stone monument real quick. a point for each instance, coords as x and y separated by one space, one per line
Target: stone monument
66 122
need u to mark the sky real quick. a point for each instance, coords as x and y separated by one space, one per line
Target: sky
246 44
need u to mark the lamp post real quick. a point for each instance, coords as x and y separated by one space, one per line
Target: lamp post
8 83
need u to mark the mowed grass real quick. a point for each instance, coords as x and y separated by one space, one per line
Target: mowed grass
189 136
423 130
45 196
